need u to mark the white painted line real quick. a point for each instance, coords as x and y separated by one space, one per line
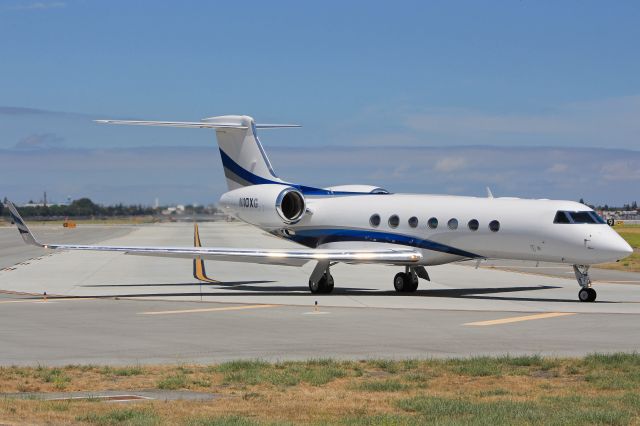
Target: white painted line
192 311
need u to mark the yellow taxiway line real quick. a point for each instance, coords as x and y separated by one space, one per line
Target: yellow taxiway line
522 318
192 311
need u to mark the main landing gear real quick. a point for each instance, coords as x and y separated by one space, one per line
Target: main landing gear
321 281
407 281
586 293
323 286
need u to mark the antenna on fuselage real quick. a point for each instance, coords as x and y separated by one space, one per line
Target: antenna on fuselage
489 193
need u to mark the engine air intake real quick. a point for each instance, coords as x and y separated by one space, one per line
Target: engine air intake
290 205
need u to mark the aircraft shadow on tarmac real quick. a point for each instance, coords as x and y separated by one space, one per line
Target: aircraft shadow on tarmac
221 284
249 288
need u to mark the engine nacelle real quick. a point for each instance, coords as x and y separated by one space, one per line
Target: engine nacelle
265 205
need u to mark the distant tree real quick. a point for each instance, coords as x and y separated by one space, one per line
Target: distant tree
606 207
83 207
581 201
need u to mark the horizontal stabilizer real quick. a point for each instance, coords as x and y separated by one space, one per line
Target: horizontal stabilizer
187 124
204 124
277 126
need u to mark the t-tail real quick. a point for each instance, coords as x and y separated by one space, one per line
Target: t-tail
244 160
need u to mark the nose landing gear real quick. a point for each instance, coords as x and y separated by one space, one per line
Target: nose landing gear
586 293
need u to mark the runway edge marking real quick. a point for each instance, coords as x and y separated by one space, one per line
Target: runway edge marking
520 318
189 311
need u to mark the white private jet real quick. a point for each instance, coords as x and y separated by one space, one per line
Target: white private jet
367 224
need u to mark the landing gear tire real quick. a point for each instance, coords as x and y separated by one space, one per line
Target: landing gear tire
323 286
587 295
398 282
405 283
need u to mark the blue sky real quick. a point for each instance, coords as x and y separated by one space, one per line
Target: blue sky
509 75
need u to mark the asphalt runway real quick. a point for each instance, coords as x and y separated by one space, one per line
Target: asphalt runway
110 308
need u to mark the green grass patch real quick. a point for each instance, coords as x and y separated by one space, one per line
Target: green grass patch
608 380
122 372
56 376
442 410
128 416
284 374
176 381
633 238
222 421
379 420
477 366
494 392
387 365
241 365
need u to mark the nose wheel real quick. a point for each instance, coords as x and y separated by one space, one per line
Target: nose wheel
586 293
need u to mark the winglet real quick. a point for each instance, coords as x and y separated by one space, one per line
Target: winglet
25 233
198 264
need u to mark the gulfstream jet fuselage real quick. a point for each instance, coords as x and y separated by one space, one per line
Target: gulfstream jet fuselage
368 224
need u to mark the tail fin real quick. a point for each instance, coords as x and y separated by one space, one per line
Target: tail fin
243 158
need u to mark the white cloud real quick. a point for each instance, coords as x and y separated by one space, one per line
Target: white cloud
39 141
450 164
611 122
621 170
558 168
188 174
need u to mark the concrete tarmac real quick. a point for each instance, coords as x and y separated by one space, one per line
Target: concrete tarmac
121 309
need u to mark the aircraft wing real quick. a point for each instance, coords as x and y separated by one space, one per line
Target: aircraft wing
290 257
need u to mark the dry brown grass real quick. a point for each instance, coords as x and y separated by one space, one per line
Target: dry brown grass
506 390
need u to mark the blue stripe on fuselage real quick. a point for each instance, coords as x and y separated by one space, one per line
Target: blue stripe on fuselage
315 237
254 179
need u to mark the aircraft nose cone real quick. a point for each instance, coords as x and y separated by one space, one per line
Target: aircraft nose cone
608 246
626 250
615 246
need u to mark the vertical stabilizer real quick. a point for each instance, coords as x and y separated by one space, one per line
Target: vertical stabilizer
243 158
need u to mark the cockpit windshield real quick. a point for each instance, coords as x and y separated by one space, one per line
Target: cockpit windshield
582 217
